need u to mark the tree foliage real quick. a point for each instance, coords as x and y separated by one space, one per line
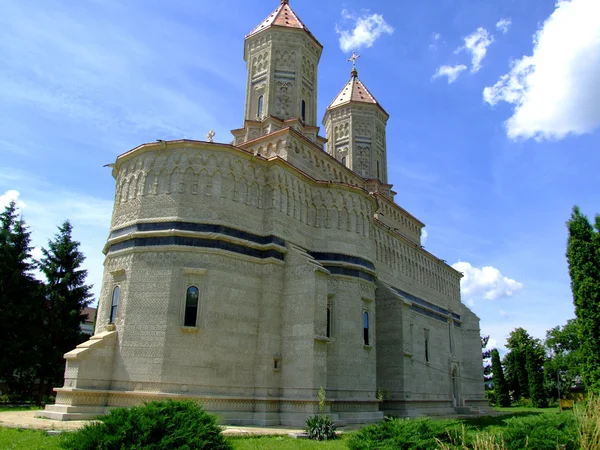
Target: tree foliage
515 363
534 362
21 304
486 355
563 366
500 385
524 364
66 297
583 255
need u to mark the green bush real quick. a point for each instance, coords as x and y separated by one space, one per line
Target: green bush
320 428
153 426
540 432
406 434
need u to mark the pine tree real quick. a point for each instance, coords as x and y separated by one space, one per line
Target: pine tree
21 305
583 255
500 385
67 295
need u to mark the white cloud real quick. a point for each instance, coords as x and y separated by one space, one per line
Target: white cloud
503 25
436 36
366 29
452 72
556 91
11 196
487 282
424 236
477 43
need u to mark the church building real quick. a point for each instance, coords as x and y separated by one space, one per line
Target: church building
247 276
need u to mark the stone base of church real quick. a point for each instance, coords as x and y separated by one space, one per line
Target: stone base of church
86 404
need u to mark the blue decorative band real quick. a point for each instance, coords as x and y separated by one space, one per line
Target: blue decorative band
198 228
337 257
337 270
196 242
419 301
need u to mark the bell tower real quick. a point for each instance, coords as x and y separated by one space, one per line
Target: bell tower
356 129
282 58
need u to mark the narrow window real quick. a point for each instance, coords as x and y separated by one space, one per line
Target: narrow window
191 307
450 336
366 328
328 320
344 161
115 304
378 169
427 345
260 107
303 110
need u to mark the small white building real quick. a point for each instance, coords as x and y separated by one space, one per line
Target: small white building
249 275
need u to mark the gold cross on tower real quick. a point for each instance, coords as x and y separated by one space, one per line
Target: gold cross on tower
353 58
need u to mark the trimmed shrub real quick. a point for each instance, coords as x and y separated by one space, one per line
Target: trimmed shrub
153 426
320 428
406 434
540 432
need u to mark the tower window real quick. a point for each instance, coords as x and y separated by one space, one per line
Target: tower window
114 304
426 345
303 110
378 169
344 161
260 107
366 328
191 307
328 320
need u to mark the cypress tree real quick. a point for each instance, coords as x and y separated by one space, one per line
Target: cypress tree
583 255
67 295
500 385
21 305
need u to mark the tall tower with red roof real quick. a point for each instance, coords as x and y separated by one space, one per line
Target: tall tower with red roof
355 124
282 58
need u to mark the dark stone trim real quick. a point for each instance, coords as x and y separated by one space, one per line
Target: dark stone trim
337 270
198 228
196 242
337 257
426 304
428 313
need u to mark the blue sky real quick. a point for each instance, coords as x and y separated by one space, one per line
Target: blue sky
493 136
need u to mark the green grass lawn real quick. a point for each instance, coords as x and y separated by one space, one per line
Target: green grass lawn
284 443
18 439
4 408
529 409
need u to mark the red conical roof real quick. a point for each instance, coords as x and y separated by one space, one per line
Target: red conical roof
283 16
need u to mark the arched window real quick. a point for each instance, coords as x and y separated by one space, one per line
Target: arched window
344 161
114 304
191 307
260 107
366 328
303 110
